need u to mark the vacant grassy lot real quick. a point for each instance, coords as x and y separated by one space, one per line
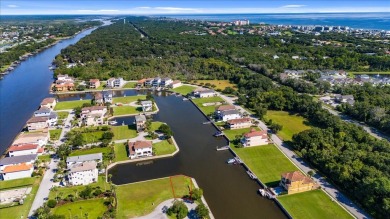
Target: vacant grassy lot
267 162
70 104
94 207
292 124
105 150
62 115
44 158
220 84
312 204
163 147
128 99
137 199
124 132
207 109
55 134
155 125
126 110
370 73
120 150
20 211
130 84
184 89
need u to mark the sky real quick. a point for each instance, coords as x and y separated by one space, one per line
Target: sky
142 7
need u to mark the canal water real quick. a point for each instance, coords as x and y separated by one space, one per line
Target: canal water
24 88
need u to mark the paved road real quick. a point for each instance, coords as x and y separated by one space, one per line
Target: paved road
299 162
66 128
372 131
159 214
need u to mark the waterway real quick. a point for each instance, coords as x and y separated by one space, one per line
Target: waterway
228 190
24 88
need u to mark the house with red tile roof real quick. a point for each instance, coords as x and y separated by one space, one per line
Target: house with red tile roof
94 83
17 171
295 182
175 84
23 149
255 138
140 149
239 123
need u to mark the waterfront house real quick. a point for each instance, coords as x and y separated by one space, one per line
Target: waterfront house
94 83
43 111
176 84
83 173
68 86
140 149
17 171
97 157
156 82
119 82
294 182
222 108
65 78
255 138
239 123
147 106
201 93
141 82
37 123
40 138
149 82
49 103
107 97
98 98
23 149
165 82
140 121
93 115
110 83
226 115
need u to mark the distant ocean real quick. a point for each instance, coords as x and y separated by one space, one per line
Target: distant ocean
379 21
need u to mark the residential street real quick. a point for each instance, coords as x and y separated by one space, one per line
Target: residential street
299 162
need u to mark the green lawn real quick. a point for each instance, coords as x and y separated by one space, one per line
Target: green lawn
55 134
62 115
130 85
92 137
124 132
126 110
44 158
184 89
128 99
94 207
267 162
120 150
70 104
137 199
232 133
163 147
220 84
21 211
292 124
370 73
105 150
17 183
155 125
312 204
65 191
207 109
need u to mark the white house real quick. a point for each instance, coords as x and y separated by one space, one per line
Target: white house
17 171
83 173
98 98
97 157
176 84
239 123
204 93
140 121
165 82
149 81
119 82
65 78
37 123
107 97
110 83
156 82
43 111
49 102
140 149
345 99
147 105
39 138
24 149
221 108
255 138
229 115
10 161
93 115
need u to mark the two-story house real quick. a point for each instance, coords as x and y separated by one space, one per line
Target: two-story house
176 84
226 115
23 149
202 93
294 182
17 167
119 82
97 157
156 82
93 115
140 149
83 173
147 106
110 83
165 82
94 83
98 98
140 122
255 138
49 103
239 123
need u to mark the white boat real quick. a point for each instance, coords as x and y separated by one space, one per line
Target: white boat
251 175
231 161
113 122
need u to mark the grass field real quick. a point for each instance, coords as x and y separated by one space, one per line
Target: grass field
126 110
62 115
207 109
21 211
292 124
124 132
370 73
232 133
137 199
267 162
312 204
55 134
70 104
17 183
92 137
163 147
93 208
155 125
184 89
44 158
130 85
128 99
220 84
105 150
120 150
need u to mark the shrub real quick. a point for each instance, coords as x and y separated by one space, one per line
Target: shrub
197 194
202 211
51 203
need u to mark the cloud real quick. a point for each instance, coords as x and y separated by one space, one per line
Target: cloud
145 7
293 6
175 9
96 11
12 6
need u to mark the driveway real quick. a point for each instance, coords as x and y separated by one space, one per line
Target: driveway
159 214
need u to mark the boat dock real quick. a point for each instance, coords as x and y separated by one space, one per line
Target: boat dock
223 148
218 134
251 175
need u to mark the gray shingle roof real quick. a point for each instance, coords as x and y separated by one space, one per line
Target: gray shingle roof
230 112
83 158
17 159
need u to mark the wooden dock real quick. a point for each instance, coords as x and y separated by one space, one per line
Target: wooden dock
223 148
